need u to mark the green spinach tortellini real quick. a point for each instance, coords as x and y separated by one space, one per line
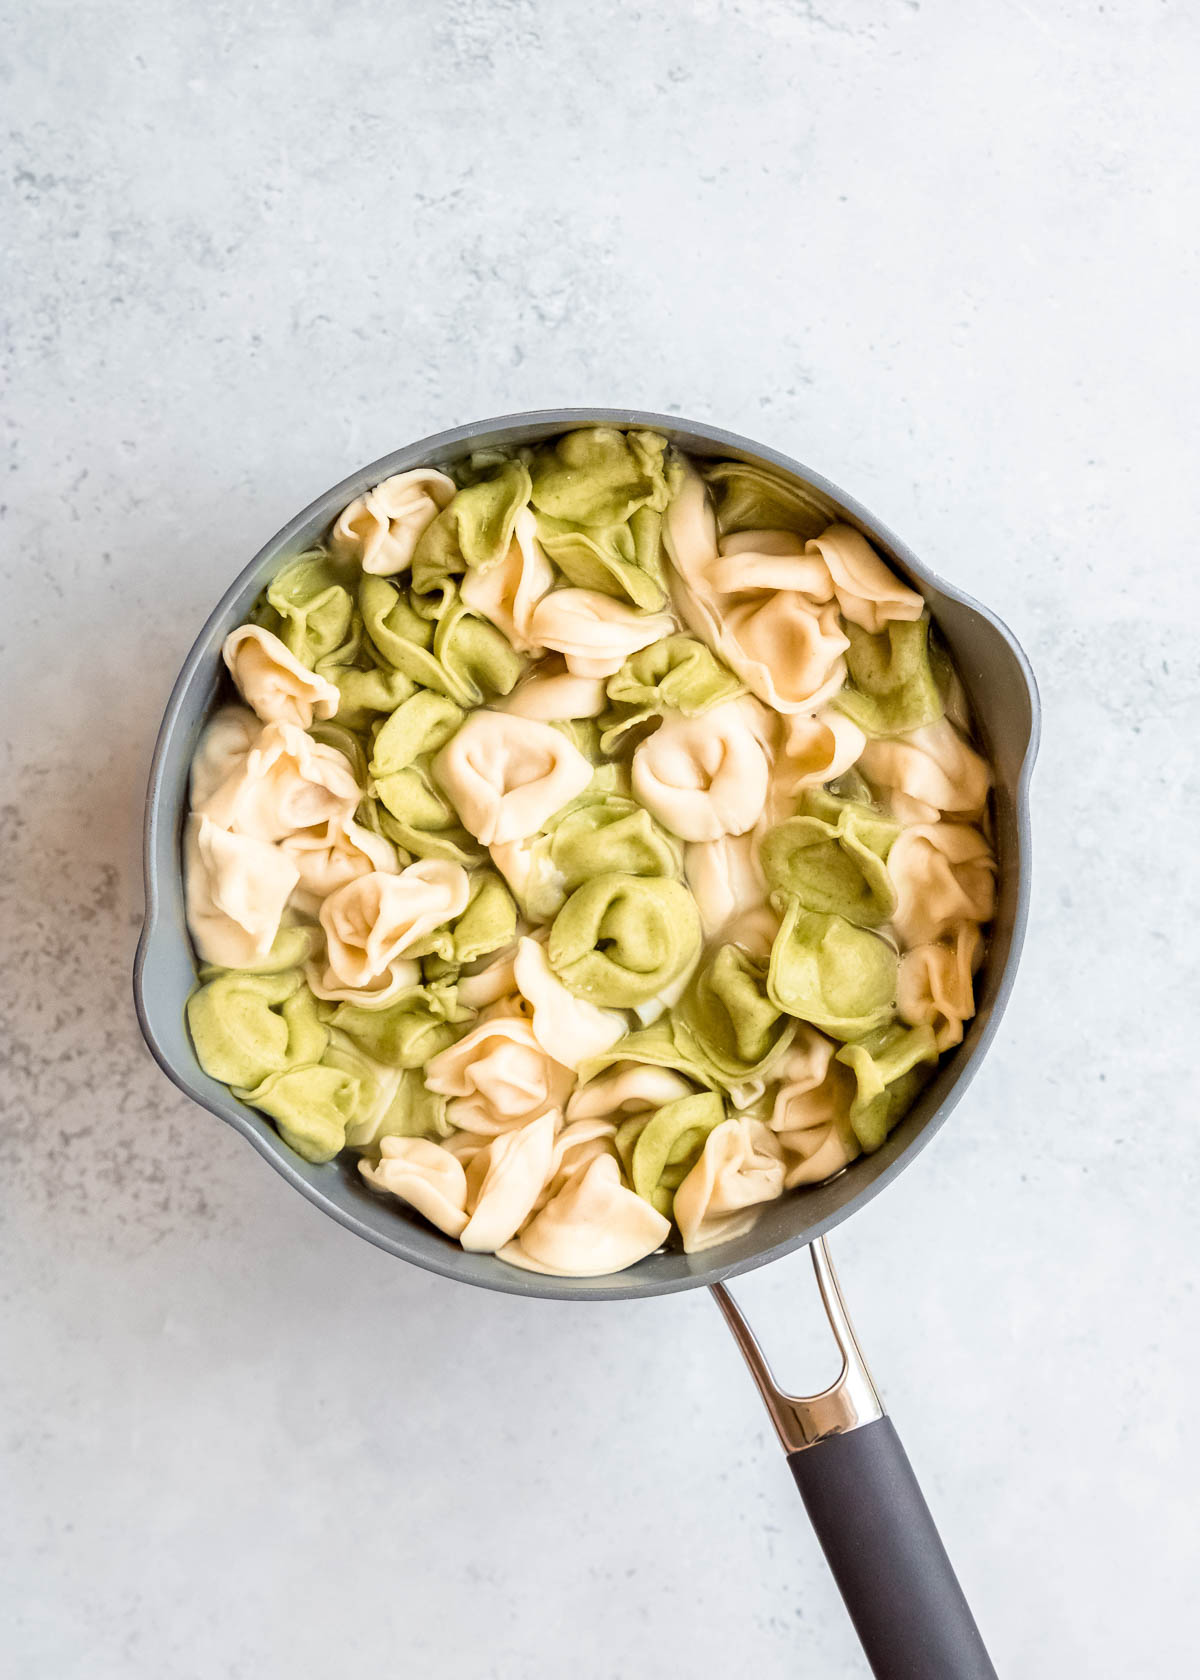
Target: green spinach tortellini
310 607
600 475
894 689
728 1018
599 833
408 807
386 1101
592 841
828 972
754 498
659 1148
599 496
474 530
620 940
678 674
438 644
833 858
247 1026
658 1045
889 1065
408 1032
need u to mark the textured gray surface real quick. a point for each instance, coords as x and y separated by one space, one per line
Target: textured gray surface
948 255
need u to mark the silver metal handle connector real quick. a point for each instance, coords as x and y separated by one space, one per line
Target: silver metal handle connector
801 1420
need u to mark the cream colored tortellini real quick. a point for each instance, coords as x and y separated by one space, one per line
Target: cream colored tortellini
816 750
381 529
725 877
286 781
568 1028
508 593
935 984
597 847
331 855
503 1182
740 1168
934 769
943 874
426 1176
236 889
594 1225
273 682
507 775
594 633
706 776
498 1076
555 694
767 603
376 923
224 743
811 1112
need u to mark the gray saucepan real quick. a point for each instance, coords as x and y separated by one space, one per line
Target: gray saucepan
855 1479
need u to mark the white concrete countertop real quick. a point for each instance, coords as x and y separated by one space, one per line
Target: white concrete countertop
946 254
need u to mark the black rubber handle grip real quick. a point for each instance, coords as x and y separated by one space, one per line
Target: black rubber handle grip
887 1557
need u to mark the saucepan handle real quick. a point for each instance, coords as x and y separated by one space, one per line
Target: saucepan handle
874 1526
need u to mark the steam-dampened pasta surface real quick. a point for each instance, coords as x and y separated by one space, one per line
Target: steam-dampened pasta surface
595 847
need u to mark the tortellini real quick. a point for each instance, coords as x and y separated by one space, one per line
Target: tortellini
933 768
285 782
498 1076
568 1028
426 1176
224 744
381 529
705 776
728 1017
740 1167
236 889
811 1112
675 675
310 607
599 833
507 776
725 877
247 1026
889 1065
375 924
554 694
507 593
944 874
660 1147
935 984
763 603
833 858
503 1182
600 475
330 855
619 940
829 972
594 633
598 849
409 1031
475 530
273 682
594 1225
816 750
893 688
439 644
407 805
